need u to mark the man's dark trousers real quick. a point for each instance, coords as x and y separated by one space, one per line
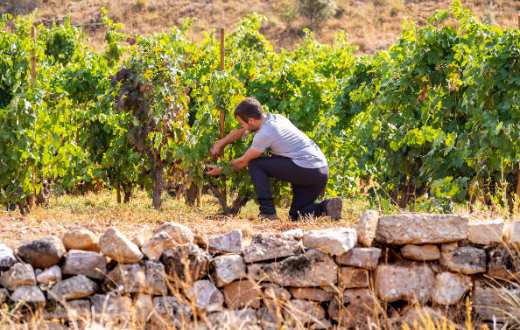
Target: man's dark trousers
307 185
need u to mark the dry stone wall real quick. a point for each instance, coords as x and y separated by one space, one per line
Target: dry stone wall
374 275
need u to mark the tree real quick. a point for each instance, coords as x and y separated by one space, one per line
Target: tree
317 11
151 94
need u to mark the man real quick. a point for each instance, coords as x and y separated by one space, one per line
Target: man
296 159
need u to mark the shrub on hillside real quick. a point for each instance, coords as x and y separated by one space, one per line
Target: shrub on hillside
317 11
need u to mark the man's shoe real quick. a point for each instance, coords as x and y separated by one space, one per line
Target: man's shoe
333 207
263 216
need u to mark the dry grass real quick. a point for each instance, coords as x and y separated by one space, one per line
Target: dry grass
99 211
370 24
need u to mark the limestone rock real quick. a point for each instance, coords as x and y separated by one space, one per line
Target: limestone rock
139 239
112 308
75 287
4 294
227 269
201 240
186 263
350 278
367 227
128 278
275 292
322 324
359 309
313 294
155 278
179 233
271 246
333 241
502 263
449 247
486 232
170 312
313 268
73 310
143 305
234 319
465 259
206 296
56 325
244 293
18 275
88 263
7 258
42 253
449 288
411 228
269 317
295 234
80 239
303 312
425 252
420 318
49 276
28 294
404 282
367 258
513 232
491 303
154 247
134 278
227 243
116 246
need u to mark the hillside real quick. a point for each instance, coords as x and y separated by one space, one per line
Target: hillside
370 24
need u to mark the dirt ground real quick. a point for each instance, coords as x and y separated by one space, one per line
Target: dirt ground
100 211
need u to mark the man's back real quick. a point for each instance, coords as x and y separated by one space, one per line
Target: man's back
284 139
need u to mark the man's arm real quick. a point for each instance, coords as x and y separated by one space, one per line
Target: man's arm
234 135
236 164
243 161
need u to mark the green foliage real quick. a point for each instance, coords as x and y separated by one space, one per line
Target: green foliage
317 11
437 111
151 94
433 120
114 38
61 42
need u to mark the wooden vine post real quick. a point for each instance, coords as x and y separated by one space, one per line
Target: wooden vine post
33 55
222 68
32 199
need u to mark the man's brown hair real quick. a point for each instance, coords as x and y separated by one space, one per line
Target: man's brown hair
249 108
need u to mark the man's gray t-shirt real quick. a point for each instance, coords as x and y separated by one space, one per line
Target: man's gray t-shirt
284 139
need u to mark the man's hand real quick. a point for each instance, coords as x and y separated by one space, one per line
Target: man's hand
213 170
216 150
237 164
